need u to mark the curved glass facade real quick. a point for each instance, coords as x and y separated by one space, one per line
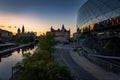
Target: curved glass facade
95 11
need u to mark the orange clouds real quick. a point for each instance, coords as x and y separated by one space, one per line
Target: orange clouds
1 26
12 22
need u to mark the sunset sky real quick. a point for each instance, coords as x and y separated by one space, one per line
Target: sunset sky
38 15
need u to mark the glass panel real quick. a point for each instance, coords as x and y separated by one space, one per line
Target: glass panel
94 11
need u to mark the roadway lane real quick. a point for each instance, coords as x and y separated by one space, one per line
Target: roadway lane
64 59
57 57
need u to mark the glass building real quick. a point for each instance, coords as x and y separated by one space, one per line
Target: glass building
98 12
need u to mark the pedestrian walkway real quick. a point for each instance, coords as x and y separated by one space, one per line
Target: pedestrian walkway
92 68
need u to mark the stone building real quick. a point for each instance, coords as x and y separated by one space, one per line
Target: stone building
61 35
5 36
22 33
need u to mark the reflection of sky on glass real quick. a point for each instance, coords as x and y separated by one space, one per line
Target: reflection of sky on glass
8 62
39 15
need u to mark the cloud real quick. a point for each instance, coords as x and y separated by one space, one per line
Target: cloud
9 26
15 26
1 26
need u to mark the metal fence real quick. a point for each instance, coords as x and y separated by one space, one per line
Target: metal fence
109 66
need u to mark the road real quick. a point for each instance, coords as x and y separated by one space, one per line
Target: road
62 56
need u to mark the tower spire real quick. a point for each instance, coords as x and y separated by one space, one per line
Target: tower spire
23 29
18 31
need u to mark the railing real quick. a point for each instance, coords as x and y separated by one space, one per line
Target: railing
100 60
109 66
14 48
7 44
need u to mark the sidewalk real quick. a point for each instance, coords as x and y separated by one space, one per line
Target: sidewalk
92 68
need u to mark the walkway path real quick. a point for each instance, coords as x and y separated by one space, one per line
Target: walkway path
90 67
77 70
63 57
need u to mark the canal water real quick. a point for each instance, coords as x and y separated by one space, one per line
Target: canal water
10 59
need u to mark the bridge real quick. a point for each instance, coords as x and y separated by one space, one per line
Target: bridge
6 46
11 46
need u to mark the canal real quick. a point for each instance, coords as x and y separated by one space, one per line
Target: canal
10 59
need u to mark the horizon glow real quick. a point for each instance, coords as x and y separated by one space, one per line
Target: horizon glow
12 22
38 15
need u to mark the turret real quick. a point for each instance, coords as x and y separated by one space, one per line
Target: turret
52 29
23 30
18 31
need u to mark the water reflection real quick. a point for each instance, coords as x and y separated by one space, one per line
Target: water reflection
23 50
10 59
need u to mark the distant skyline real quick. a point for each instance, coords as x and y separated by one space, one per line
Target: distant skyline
39 15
